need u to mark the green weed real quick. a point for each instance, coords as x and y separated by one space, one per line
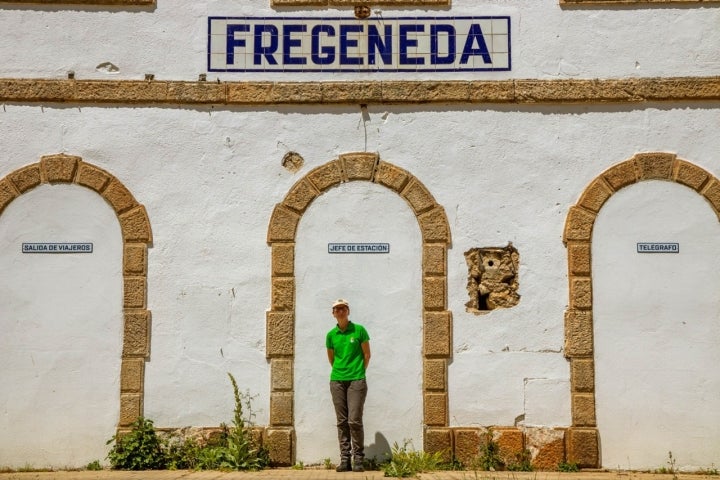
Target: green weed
489 458
568 467
236 448
405 462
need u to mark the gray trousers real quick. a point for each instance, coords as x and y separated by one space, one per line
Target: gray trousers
349 399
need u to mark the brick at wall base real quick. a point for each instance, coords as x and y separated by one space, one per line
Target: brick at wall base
582 446
280 443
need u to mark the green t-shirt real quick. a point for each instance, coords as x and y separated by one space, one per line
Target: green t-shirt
349 362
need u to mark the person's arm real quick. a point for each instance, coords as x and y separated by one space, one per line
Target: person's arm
366 353
331 356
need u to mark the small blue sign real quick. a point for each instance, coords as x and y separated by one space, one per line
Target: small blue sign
57 248
655 247
358 248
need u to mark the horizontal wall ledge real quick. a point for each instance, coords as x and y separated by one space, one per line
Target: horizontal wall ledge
529 91
631 2
83 2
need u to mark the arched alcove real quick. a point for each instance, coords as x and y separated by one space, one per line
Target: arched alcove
583 440
136 237
280 326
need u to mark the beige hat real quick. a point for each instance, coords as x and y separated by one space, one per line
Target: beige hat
340 302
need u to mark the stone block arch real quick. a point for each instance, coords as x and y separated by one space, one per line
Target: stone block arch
280 319
583 445
137 235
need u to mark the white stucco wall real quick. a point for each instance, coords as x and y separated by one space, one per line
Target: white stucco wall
385 295
656 329
210 176
547 40
61 322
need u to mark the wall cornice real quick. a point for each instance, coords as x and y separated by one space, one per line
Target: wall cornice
523 91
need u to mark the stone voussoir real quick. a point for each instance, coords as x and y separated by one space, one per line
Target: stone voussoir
135 259
26 178
418 196
135 225
595 195
283 225
8 193
579 225
434 226
301 195
92 177
326 176
711 192
621 175
690 175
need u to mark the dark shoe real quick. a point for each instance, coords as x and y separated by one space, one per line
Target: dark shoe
358 467
344 466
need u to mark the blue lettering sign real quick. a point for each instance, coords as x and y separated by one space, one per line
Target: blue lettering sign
346 43
335 44
289 43
379 44
322 55
435 57
475 35
406 42
233 42
262 50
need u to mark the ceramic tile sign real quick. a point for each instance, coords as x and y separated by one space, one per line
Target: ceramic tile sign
400 44
658 248
358 248
57 248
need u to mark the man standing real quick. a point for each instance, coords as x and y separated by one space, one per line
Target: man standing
348 350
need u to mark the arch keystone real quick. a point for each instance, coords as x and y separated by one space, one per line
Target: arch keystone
655 165
59 168
359 166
